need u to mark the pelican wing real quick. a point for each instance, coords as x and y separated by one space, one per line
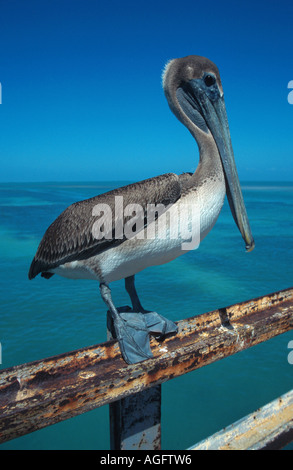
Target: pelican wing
72 235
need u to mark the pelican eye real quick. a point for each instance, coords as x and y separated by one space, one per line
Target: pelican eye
209 80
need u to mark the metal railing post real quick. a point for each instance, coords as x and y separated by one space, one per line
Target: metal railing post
135 421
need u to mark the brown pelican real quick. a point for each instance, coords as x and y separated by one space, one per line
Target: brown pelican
73 248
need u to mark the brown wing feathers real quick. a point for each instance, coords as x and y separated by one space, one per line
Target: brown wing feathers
70 236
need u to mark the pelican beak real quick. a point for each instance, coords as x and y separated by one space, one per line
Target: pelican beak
219 127
209 105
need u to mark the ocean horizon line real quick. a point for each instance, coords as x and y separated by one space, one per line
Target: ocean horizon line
129 181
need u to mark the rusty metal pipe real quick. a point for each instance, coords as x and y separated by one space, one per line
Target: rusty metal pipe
45 392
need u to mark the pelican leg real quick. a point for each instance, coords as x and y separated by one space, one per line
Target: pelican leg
130 329
131 290
157 324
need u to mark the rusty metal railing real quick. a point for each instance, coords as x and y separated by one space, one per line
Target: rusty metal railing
268 428
41 393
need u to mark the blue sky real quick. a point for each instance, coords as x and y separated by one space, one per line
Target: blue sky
82 96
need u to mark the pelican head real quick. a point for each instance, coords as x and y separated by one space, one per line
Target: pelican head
193 88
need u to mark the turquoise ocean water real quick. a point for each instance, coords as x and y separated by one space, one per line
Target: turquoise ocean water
41 318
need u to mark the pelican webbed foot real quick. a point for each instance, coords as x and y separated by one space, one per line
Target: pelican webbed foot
131 330
159 326
132 327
